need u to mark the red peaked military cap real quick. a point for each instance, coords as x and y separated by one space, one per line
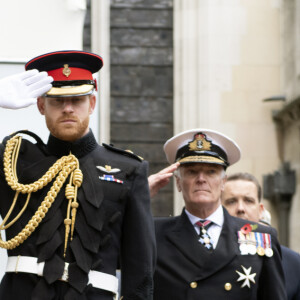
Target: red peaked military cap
71 70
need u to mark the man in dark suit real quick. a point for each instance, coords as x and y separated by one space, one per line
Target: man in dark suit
73 211
205 253
242 198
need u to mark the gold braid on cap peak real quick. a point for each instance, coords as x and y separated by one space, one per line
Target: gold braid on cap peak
62 168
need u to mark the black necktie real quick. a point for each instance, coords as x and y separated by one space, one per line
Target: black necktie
204 237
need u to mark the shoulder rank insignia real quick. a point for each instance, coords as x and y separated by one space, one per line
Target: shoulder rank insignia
108 169
124 152
129 151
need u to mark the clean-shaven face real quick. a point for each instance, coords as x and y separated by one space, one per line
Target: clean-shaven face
240 198
201 185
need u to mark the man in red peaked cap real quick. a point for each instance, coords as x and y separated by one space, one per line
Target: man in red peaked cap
201 253
81 210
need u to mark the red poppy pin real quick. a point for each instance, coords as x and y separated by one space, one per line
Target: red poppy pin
248 228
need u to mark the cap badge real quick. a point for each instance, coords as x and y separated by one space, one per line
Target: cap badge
200 142
66 71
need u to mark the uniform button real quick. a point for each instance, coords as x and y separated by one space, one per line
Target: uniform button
193 285
228 286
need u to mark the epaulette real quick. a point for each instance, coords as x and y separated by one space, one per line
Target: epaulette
124 152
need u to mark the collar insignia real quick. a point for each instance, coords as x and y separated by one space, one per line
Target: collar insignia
108 169
200 143
66 71
247 277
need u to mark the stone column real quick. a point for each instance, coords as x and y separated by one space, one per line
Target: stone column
100 23
185 74
206 47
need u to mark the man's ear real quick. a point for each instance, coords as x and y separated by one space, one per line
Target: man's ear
178 183
92 103
224 179
261 210
41 105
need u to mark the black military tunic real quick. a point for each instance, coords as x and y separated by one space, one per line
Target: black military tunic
113 225
186 270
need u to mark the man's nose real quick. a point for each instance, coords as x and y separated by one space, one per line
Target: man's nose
67 105
241 207
201 176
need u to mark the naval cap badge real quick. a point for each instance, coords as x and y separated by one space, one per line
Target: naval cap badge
200 143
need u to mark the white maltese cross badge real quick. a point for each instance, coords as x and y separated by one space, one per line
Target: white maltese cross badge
247 277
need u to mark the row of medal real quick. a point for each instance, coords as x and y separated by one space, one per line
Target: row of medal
255 243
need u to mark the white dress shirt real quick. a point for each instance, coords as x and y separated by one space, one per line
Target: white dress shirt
214 231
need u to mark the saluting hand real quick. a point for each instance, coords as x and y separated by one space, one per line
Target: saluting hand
21 90
159 180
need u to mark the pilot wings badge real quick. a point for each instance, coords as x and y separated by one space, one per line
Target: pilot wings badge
108 169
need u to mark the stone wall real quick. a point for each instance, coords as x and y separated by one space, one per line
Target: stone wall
141 69
86 36
142 83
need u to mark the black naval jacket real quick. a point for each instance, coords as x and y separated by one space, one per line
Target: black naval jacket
113 227
187 271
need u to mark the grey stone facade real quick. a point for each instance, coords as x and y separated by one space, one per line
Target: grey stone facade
86 38
141 54
142 83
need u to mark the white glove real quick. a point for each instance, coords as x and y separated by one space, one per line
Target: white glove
21 90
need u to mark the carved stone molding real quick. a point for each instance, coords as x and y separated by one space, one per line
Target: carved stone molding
289 115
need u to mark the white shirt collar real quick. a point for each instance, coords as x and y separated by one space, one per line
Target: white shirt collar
217 217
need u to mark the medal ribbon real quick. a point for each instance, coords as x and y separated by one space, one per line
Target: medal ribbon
259 239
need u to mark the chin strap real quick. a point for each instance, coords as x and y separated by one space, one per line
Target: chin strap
65 166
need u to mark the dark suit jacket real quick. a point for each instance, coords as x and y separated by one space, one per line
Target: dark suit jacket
187 271
291 268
